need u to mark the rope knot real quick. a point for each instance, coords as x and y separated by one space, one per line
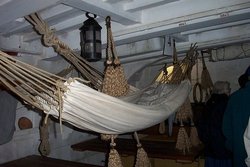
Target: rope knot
112 144
139 145
47 40
108 24
117 61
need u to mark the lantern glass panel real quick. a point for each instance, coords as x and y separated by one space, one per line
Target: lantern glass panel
98 35
98 47
89 47
89 35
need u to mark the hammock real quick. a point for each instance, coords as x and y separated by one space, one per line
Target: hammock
76 103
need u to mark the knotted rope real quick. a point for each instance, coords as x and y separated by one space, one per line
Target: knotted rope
114 159
185 112
183 143
50 40
194 138
44 147
142 159
30 83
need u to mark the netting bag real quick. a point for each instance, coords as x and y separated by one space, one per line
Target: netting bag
114 83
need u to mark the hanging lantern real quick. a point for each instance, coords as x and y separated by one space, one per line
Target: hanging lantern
90 33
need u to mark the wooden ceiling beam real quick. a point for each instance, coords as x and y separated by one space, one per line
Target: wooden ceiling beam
53 16
144 4
22 8
103 9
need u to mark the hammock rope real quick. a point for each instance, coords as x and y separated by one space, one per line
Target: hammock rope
44 147
29 82
65 72
181 70
50 40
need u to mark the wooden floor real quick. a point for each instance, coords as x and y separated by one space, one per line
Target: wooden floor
38 161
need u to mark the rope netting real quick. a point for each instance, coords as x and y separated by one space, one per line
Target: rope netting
50 40
114 82
30 83
181 68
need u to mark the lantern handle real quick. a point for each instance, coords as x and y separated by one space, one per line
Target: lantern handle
88 16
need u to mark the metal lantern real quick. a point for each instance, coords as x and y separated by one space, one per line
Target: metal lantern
91 45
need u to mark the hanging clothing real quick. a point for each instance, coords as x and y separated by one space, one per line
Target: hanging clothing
247 142
235 122
210 127
212 162
8 105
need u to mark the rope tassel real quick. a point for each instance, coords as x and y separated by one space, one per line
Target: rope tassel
183 142
142 159
44 147
194 138
185 111
114 157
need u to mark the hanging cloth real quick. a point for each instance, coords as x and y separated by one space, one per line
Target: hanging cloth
247 143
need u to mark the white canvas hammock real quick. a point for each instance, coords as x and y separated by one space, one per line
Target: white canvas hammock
89 109
78 104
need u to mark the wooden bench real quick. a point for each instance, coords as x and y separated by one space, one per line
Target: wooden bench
154 149
39 161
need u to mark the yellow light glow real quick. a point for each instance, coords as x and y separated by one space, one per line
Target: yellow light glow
169 70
